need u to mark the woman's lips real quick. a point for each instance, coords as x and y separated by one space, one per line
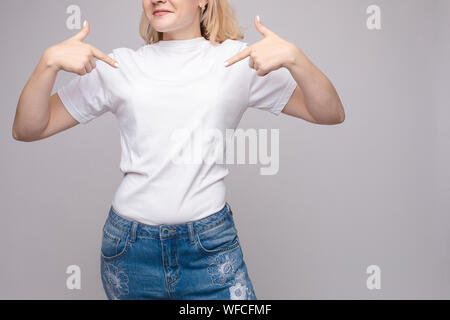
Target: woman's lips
161 13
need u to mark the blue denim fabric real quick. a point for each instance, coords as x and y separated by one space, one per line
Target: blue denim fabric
198 260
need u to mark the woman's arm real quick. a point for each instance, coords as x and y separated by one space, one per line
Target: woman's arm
315 95
38 115
32 112
315 98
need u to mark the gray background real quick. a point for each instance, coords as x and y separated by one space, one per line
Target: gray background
373 190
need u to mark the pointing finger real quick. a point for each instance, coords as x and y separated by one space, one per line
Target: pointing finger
104 57
84 32
238 57
261 28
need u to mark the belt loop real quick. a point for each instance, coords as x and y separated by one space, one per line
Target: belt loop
133 231
191 232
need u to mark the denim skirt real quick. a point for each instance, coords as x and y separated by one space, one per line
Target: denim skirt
198 260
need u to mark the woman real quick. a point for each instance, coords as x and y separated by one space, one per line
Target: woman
170 233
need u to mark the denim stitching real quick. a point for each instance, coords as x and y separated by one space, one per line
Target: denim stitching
164 268
209 252
212 225
119 226
221 269
111 237
124 251
240 290
116 281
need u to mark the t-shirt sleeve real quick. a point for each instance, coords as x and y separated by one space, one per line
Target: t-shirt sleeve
86 97
272 91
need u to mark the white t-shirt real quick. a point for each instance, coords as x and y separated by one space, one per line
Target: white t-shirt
168 87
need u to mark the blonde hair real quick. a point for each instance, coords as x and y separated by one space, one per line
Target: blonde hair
217 24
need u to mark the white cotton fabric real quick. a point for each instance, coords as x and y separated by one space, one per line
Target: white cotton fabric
157 90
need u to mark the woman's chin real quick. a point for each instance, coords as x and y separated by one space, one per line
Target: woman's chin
161 28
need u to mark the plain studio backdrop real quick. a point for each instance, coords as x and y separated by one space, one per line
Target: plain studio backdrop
373 190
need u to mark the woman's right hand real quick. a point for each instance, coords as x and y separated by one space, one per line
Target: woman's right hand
73 55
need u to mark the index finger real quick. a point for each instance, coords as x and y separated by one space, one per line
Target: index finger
238 57
104 57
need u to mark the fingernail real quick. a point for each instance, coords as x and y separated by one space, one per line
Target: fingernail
258 18
226 63
84 23
116 64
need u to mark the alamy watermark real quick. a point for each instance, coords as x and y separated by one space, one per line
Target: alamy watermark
229 147
73 281
374 280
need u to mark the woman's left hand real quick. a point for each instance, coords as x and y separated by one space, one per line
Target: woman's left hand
269 54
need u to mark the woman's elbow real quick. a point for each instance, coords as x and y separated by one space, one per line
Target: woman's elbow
340 117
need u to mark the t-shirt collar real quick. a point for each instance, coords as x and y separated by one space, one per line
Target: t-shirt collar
188 43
